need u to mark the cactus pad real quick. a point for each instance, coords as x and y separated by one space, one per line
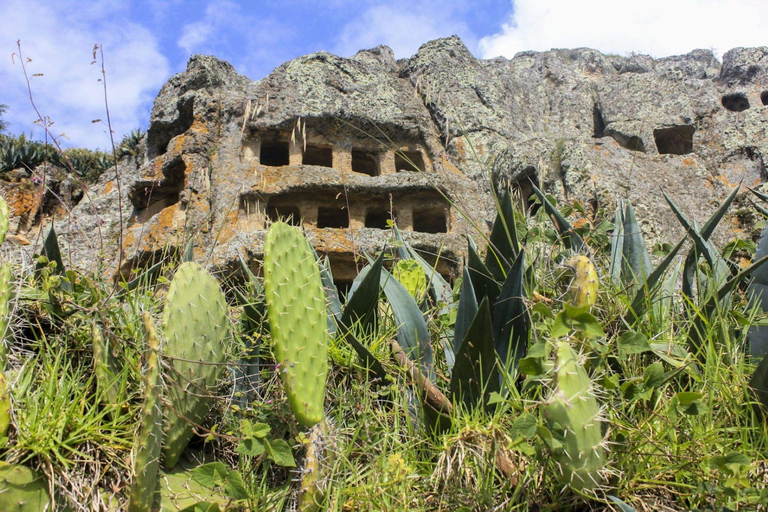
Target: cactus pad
583 290
6 292
3 219
196 326
146 448
412 277
22 489
573 416
297 319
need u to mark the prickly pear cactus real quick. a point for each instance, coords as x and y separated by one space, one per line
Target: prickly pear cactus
195 326
104 367
5 406
147 447
297 319
585 284
22 489
573 417
6 293
3 219
314 469
412 277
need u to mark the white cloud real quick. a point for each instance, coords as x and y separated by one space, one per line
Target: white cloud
59 37
252 40
403 26
656 27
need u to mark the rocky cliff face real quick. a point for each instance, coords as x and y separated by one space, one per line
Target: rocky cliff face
341 145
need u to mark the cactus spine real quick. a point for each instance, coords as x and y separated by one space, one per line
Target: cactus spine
297 320
147 447
195 326
573 416
583 290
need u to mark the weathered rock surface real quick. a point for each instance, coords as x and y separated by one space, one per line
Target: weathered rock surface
333 141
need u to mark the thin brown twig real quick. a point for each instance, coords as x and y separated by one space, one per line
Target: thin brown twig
433 396
46 123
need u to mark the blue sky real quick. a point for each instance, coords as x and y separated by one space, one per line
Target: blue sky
146 42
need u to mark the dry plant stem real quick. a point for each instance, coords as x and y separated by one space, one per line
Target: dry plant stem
433 396
100 48
45 122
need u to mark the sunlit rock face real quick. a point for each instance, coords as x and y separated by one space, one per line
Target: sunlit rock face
342 146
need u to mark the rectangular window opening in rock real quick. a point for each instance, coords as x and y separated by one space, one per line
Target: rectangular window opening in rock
677 140
377 218
274 153
410 161
318 155
365 162
764 97
332 217
289 214
430 220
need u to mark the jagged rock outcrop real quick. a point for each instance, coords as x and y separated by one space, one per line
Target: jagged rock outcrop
343 144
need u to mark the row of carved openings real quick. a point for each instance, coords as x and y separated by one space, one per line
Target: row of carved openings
277 153
425 220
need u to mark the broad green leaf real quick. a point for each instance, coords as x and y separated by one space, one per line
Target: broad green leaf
632 342
687 397
653 376
280 452
533 366
235 488
525 425
251 447
212 474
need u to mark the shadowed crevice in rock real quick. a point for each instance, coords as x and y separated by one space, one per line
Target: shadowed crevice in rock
160 133
598 124
736 102
150 197
764 97
676 140
631 142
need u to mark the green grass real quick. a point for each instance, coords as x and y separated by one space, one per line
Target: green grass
681 431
